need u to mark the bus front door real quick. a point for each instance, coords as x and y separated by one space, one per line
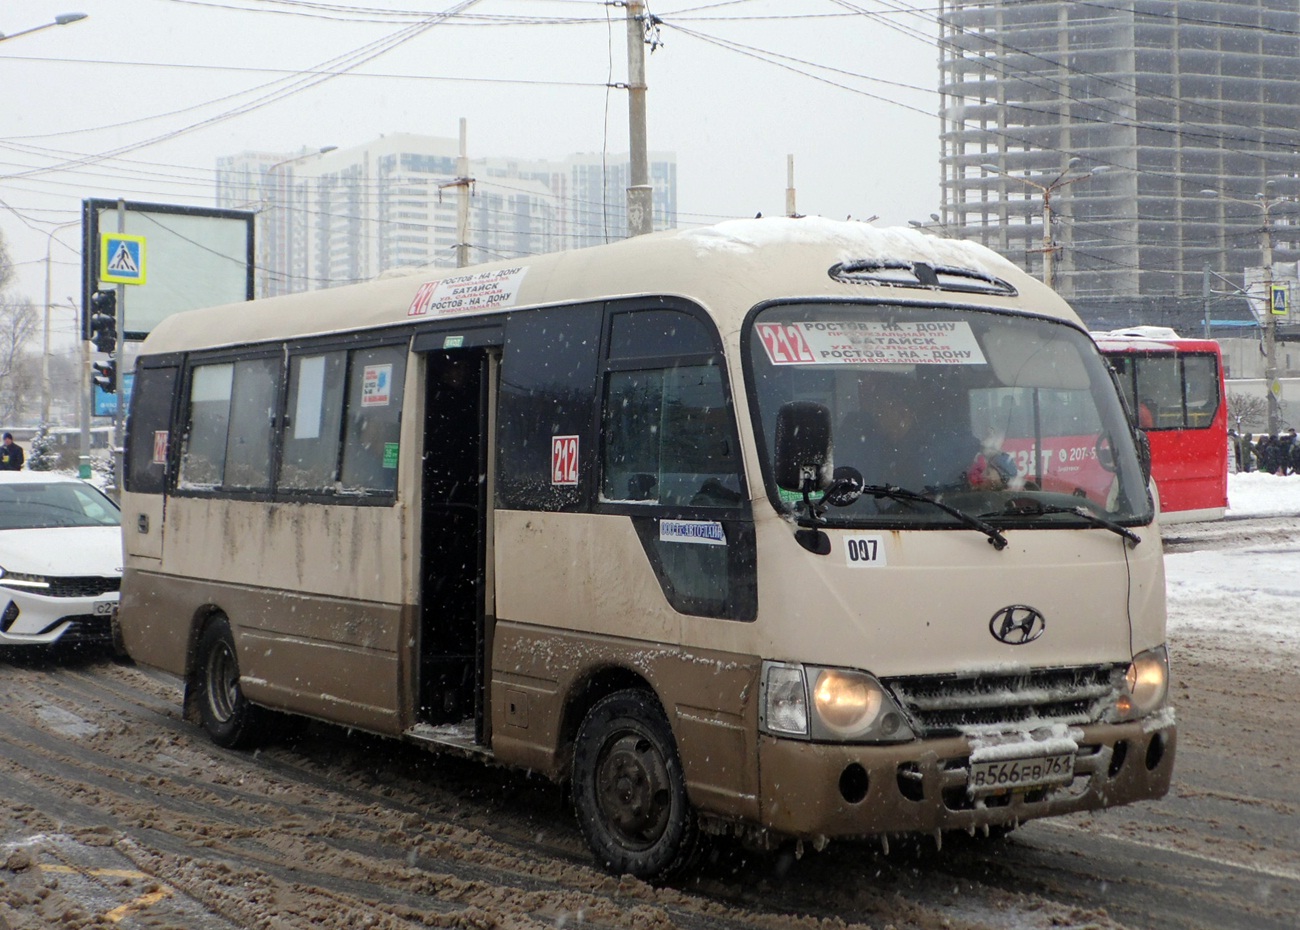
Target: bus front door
454 589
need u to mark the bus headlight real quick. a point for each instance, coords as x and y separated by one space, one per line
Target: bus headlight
1146 684
841 705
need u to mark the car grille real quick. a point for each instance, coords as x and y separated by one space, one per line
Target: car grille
85 586
944 705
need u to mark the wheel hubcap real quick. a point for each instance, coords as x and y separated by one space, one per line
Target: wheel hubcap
223 680
632 788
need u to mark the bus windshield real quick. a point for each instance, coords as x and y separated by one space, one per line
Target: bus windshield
1008 418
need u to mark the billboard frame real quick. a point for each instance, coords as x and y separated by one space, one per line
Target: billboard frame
91 210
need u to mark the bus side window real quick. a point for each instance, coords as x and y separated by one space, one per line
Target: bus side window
373 421
314 418
548 388
228 440
148 429
667 439
203 460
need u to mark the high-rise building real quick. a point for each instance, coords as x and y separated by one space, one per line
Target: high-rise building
1173 98
337 216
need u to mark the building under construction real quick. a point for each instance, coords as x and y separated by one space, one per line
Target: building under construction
1159 135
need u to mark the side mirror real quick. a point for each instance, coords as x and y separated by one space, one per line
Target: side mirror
803 447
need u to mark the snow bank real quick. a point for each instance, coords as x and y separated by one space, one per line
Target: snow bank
1244 595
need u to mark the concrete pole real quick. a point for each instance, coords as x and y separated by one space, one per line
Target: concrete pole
462 202
1049 247
1270 323
640 195
789 186
45 348
119 347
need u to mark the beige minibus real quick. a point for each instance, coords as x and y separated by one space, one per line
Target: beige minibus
785 529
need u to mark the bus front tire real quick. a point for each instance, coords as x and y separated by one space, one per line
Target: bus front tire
629 793
228 717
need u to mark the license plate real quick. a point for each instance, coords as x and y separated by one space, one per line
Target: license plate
104 608
1012 774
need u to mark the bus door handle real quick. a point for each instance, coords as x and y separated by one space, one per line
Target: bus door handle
142 522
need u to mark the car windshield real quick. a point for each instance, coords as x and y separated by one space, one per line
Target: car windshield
1012 419
28 506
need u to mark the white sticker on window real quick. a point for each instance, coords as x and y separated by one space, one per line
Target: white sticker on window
869 343
376 385
700 532
864 551
311 398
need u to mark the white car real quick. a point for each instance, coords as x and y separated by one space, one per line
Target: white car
60 560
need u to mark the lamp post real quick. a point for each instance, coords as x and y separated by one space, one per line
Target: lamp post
1050 247
1266 205
936 226
269 202
45 354
61 20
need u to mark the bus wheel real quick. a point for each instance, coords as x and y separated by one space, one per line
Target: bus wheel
231 721
628 790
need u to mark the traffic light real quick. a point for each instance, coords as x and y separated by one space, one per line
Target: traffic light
103 320
105 376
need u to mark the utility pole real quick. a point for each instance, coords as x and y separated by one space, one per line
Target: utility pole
1050 247
462 201
640 195
789 186
464 183
1270 324
119 371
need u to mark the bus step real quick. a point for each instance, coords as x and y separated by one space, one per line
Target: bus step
456 737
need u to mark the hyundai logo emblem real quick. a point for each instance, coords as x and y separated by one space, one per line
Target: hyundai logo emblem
1017 625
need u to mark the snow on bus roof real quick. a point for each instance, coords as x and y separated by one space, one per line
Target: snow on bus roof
856 240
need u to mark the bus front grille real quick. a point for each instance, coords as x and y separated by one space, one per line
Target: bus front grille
945 705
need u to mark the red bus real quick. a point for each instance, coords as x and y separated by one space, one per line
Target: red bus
1175 391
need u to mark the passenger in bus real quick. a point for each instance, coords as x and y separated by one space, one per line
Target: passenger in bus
902 434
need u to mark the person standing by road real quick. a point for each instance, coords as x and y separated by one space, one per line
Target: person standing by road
11 454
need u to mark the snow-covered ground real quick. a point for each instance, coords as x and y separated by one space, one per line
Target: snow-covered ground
1246 592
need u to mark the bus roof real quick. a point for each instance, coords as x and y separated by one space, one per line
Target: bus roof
727 268
1150 339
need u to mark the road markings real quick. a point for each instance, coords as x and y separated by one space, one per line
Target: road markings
1271 872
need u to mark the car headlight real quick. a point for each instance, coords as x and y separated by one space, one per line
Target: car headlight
830 704
1145 686
19 580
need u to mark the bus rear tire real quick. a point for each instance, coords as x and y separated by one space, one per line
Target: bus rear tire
228 717
629 792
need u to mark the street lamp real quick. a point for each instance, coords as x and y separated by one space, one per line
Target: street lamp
936 226
1049 248
45 356
1266 205
269 202
61 20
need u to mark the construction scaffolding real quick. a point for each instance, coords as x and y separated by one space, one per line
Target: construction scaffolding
1192 108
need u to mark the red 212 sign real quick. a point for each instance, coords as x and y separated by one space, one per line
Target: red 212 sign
564 460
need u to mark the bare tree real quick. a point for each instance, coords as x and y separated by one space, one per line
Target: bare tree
1247 410
17 327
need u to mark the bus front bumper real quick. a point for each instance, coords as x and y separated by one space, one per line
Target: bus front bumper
819 790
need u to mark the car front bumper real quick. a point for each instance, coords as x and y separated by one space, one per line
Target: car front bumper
31 619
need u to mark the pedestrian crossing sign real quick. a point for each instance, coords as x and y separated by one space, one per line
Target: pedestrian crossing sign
121 258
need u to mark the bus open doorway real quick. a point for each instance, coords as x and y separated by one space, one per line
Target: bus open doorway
454 591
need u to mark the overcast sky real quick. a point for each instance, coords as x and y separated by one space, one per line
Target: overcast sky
139 99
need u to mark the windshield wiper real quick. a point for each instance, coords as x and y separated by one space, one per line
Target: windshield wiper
895 493
1025 506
